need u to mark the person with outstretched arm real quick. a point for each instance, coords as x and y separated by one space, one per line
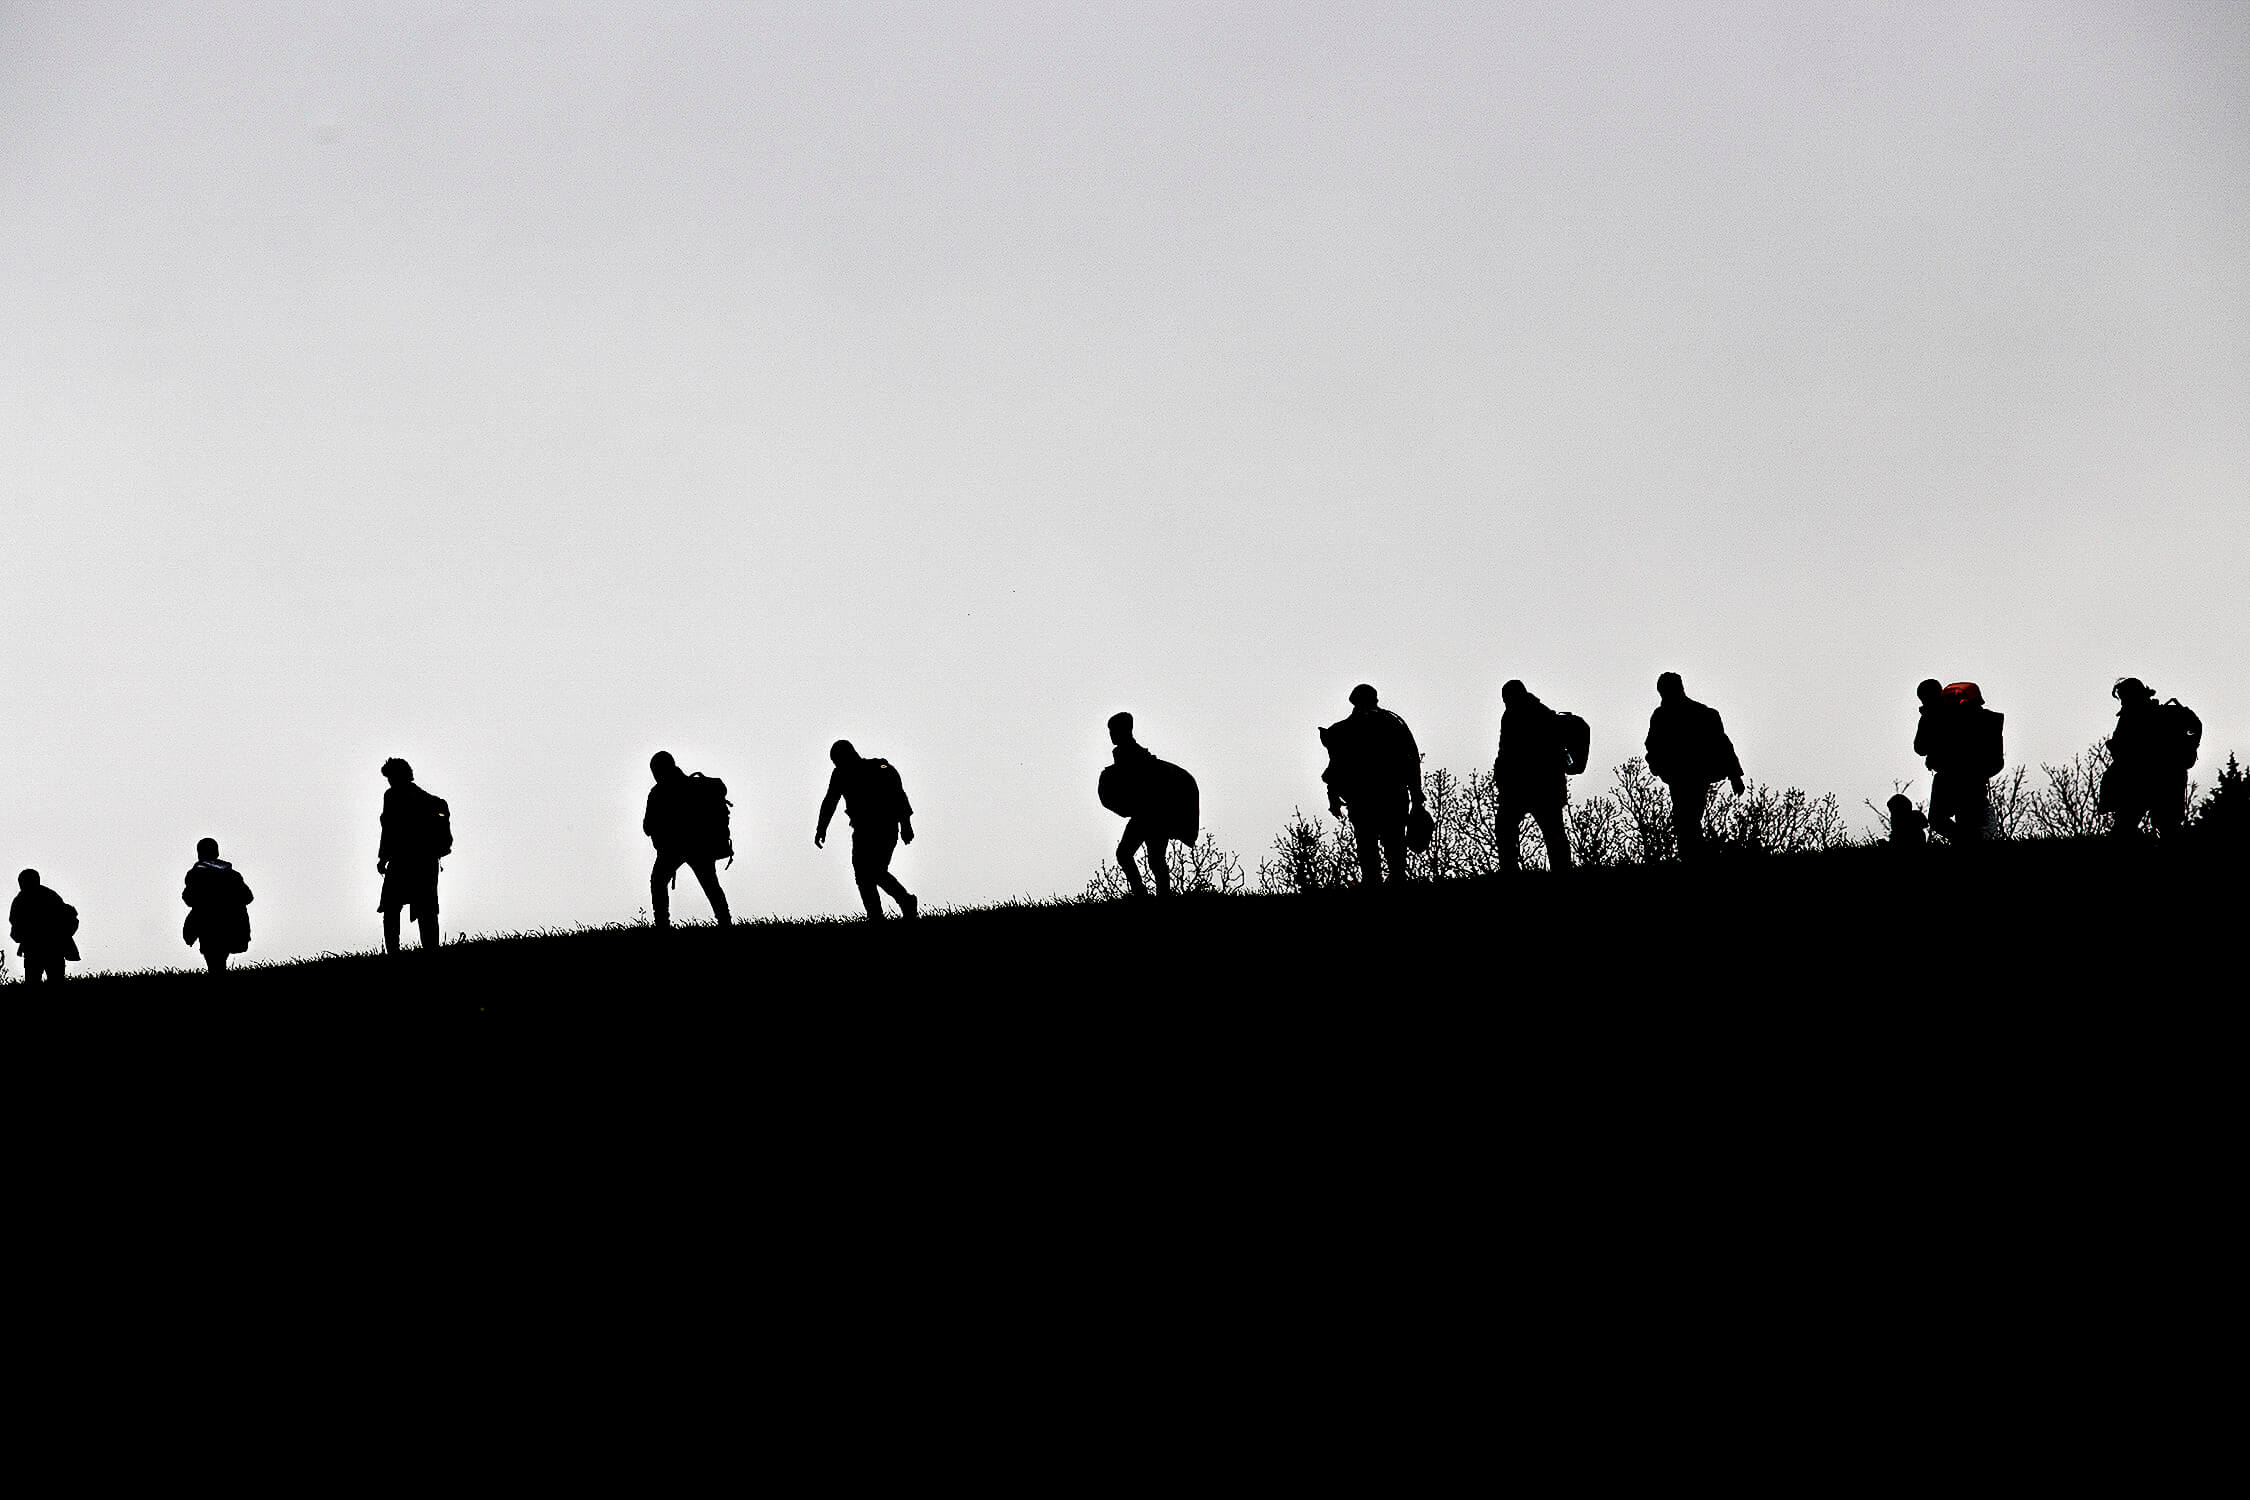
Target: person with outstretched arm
874 798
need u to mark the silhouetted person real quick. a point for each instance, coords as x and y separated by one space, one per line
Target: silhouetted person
1374 777
686 820
417 833
1531 774
1688 749
1158 801
1909 829
1959 739
218 902
44 928
2148 764
875 800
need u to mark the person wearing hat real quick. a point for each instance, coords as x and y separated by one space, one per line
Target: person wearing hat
2147 775
1374 777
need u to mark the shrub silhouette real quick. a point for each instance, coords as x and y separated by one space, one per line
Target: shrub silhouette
1202 866
2223 817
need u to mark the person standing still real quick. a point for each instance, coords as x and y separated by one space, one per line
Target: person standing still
417 833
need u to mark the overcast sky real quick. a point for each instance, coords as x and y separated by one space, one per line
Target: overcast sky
523 388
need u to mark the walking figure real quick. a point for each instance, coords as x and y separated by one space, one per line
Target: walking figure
1959 739
2149 755
1374 777
44 928
1157 799
874 799
417 833
1688 749
687 820
218 902
1531 774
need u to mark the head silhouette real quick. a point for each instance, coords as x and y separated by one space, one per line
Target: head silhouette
662 766
1513 692
841 753
28 880
1120 728
1669 686
206 848
1929 690
398 771
1900 803
2131 690
1363 696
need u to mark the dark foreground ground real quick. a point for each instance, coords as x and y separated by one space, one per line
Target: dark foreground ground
1810 1167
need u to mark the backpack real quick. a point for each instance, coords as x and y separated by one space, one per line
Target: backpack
709 814
881 773
1577 738
438 824
1963 695
2184 729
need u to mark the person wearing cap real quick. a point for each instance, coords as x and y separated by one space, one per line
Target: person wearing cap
1688 749
2147 774
1374 777
1959 739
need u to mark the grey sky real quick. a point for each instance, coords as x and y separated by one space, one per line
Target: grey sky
523 388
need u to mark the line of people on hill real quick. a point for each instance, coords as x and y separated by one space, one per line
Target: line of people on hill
1373 778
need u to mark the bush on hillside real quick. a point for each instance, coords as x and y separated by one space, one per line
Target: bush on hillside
1202 866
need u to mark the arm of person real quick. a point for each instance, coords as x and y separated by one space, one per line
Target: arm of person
828 808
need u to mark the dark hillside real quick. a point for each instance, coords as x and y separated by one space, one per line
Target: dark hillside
1841 1107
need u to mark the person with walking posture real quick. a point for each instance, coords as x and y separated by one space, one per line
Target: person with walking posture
686 819
44 928
1688 750
1959 739
1374 777
2149 756
1158 801
417 833
218 902
1530 773
874 800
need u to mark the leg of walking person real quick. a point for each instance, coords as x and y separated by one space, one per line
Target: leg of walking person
1159 865
660 877
1368 834
1504 828
1688 801
707 876
1128 849
390 929
1558 836
871 870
